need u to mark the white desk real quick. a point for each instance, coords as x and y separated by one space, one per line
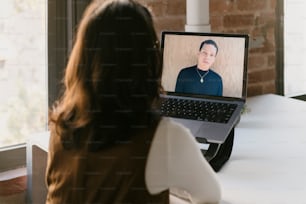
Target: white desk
268 162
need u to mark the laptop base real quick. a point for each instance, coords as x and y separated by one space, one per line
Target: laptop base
218 154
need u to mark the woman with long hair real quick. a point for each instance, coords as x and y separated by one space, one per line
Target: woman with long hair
103 125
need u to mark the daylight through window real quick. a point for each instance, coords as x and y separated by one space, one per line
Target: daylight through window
23 85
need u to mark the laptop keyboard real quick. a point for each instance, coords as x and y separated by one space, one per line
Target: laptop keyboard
197 109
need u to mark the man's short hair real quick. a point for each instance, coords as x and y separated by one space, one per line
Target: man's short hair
209 42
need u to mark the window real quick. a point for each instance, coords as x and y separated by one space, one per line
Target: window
23 68
35 38
294 47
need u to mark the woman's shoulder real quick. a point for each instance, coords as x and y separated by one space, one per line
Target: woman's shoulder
168 129
175 152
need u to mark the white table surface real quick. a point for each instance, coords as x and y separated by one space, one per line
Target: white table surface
268 162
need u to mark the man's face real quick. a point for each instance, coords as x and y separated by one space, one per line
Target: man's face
206 56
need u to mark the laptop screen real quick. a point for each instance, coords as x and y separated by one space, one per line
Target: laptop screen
211 64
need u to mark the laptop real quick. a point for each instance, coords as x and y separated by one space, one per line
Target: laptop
181 50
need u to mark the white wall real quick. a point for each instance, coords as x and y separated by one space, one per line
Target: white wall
294 47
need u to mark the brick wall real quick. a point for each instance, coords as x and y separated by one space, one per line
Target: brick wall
168 14
256 18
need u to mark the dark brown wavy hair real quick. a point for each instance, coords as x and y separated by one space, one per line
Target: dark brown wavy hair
112 79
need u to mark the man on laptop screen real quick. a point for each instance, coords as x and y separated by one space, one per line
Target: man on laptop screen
181 50
200 78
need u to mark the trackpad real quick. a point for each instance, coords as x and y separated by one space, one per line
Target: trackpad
213 132
205 131
193 125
